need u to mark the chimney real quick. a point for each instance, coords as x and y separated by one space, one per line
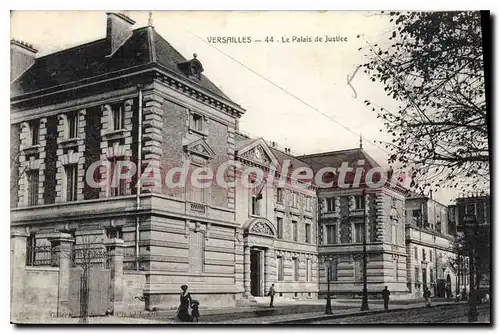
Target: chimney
118 30
430 194
22 56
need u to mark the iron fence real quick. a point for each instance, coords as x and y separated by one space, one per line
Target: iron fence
94 256
41 256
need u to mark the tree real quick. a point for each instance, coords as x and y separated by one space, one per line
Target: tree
433 66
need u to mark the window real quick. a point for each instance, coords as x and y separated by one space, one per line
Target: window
470 209
417 217
114 232
118 117
308 233
279 195
308 270
358 269
196 122
256 205
394 235
423 254
358 233
295 262
295 198
417 276
196 250
117 187
333 270
72 125
396 273
308 203
294 230
33 187
430 255
279 224
331 234
431 274
71 183
31 250
416 253
330 204
281 268
35 132
359 203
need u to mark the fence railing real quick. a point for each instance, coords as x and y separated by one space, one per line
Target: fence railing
41 256
91 257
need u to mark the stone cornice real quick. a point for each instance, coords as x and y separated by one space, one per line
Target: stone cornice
198 94
159 73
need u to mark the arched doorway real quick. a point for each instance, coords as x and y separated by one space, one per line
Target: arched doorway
259 253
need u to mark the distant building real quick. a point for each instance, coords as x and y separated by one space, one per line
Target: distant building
478 208
342 217
430 245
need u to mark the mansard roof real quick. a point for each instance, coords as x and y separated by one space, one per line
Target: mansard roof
336 158
90 60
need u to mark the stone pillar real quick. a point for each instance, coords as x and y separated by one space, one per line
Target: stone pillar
153 111
17 274
270 269
61 245
246 270
115 249
239 261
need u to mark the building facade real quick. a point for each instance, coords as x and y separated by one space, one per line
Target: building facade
346 217
430 245
132 98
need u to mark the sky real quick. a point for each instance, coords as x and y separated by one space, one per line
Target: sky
295 94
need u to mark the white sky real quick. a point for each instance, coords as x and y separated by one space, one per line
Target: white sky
314 72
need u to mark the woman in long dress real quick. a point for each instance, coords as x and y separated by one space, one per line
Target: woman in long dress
185 301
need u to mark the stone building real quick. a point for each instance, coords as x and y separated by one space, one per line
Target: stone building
343 216
478 207
131 97
285 253
432 255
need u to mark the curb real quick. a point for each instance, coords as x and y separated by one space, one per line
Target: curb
346 315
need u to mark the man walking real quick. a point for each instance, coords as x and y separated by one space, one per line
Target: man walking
385 295
271 294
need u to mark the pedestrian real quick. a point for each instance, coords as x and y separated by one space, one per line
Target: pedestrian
185 302
385 295
427 297
195 313
271 294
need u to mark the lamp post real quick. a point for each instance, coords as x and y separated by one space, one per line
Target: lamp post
364 303
470 229
328 309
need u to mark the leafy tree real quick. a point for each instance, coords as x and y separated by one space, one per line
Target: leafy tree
433 66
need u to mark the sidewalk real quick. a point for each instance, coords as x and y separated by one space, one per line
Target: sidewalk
320 315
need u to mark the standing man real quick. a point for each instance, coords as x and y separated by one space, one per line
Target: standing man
271 294
385 295
427 296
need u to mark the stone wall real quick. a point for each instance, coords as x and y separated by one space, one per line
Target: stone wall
40 293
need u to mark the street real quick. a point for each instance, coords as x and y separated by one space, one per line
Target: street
443 314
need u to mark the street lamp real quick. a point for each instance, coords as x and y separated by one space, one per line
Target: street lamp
470 234
364 303
328 309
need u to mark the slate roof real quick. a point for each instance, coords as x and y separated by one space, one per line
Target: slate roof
282 156
335 159
88 60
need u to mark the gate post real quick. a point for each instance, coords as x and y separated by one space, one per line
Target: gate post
18 274
61 246
115 249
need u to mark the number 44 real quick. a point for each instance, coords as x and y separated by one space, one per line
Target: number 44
269 39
